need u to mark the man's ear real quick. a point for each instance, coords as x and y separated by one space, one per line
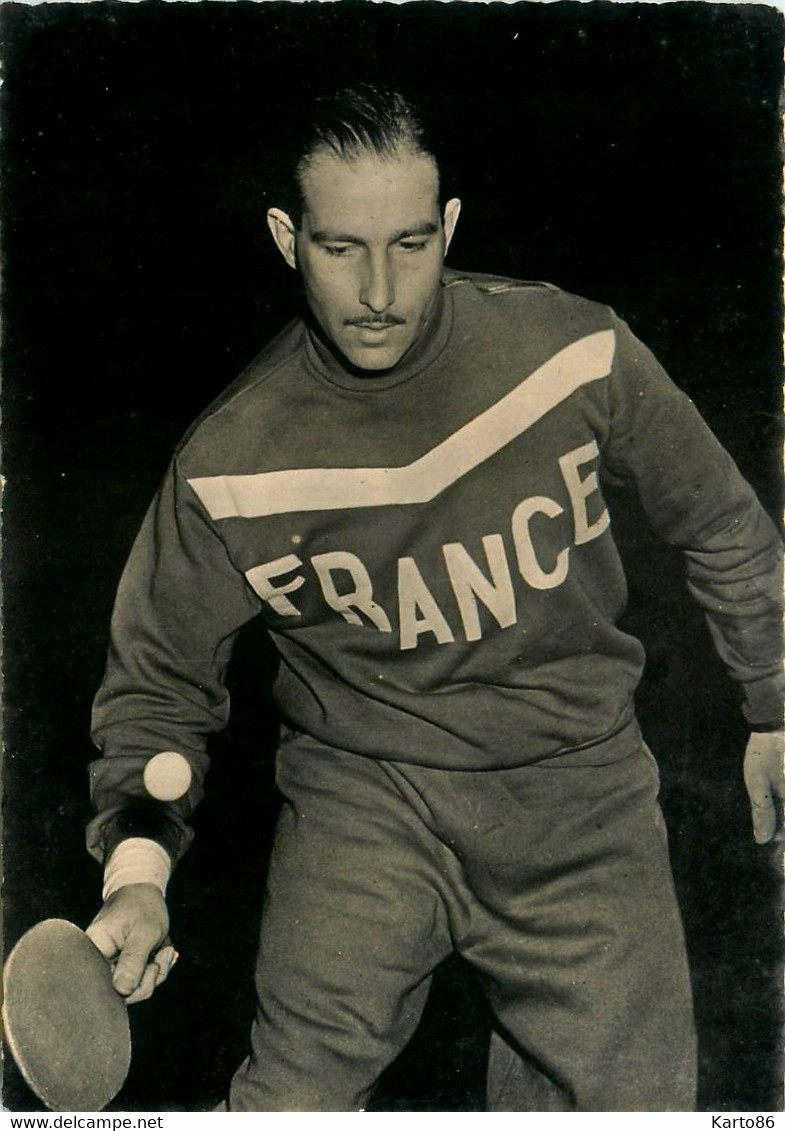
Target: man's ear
452 210
283 232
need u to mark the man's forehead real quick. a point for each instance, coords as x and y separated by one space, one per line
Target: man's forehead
400 189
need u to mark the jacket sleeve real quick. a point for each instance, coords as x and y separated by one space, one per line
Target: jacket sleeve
179 606
696 499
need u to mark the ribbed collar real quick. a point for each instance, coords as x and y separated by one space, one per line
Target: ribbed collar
425 350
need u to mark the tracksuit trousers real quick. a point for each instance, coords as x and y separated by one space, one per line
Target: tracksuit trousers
551 880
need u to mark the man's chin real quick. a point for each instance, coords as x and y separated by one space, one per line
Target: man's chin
372 360
367 352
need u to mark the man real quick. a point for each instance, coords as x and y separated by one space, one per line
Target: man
405 485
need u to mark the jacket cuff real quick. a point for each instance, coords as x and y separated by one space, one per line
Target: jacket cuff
137 861
763 703
142 818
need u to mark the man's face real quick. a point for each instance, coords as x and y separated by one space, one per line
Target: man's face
370 251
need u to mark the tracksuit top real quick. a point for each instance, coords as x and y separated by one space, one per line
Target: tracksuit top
429 549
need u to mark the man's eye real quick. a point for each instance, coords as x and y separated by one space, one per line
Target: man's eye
413 245
337 248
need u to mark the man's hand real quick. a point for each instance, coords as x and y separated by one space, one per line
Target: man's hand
764 777
129 930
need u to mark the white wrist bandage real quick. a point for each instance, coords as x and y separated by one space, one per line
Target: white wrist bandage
137 861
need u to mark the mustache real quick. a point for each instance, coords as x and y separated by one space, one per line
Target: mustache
375 320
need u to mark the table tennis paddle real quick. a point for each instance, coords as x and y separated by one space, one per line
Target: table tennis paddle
66 1025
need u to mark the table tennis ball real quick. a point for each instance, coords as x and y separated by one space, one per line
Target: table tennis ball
167 776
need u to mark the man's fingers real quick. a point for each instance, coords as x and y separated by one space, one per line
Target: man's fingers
131 966
130 931
763 777
103 938
764 820
155 973
764 815
164 961
147 984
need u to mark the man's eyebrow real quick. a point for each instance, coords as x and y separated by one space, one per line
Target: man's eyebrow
428 229
326 236
334 237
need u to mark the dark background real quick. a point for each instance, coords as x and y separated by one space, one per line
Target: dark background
625 152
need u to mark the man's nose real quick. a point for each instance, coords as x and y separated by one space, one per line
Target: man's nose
377 290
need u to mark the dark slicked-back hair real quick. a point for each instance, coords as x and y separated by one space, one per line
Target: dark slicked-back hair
349 122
